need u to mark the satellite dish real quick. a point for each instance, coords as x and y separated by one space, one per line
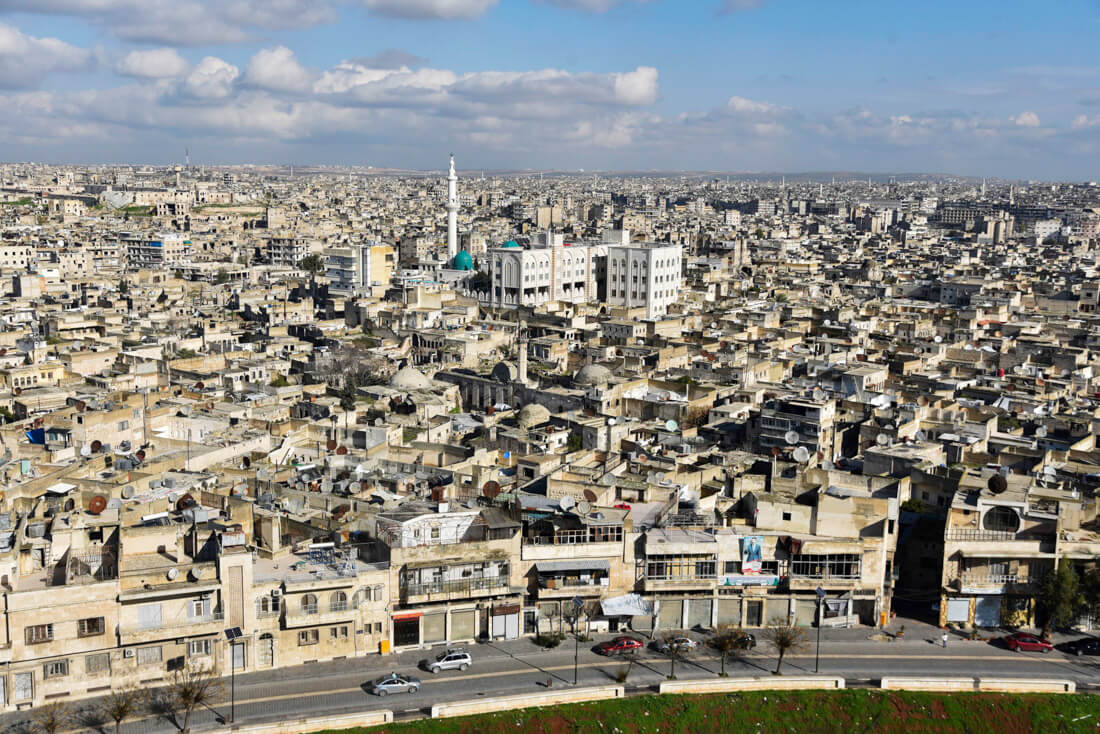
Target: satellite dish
173 574
127 492
584 507
97 504
1041 432
590 495
790 437
968 347
997 484
801 455
889 426
610 421
827 322
566 503
1049 470
819 394
920 436
85 450
714 324
491 489
882 439
938 339
671 425
377 421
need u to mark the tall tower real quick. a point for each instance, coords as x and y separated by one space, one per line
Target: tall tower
452 213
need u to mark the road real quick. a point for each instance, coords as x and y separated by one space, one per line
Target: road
518 666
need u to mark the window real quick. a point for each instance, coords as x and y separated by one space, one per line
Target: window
309 604
841 565
435 532
338 601
198 608
39 633
90 627
97 663
56 669
786 517
307 637
149 655
198 647
123 425
377 628
338 632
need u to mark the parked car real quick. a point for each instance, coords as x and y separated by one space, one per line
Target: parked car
745 642
618 646
449 660
685 644
1023 642
1083 646
395 683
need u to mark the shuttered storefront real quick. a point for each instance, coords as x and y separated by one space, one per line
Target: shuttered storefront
463 625
668 618
435 627
699 613
729 611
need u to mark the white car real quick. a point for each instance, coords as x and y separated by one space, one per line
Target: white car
450 660
685 644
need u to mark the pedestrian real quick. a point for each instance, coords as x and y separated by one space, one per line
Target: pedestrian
944 638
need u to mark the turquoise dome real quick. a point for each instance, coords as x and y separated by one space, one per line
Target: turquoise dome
510 243
463 261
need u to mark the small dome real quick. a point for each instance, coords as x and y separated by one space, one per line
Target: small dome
410 378
463 261
532 415
510 243
591 375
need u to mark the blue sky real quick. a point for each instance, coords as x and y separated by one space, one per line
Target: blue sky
981 88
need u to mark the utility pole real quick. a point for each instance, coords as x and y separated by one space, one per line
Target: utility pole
817 655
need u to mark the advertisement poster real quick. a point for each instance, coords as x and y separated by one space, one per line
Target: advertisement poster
752 554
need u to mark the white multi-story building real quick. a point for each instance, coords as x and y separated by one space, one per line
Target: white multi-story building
643 275
157 251
358 268
549 270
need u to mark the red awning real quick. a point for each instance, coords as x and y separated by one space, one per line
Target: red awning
404 617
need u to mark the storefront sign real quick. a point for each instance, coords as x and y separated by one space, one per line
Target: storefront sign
748 580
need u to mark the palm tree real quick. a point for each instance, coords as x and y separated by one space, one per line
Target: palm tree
784 637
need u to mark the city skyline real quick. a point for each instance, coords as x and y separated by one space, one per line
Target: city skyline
740 85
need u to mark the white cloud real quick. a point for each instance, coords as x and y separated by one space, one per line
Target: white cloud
740 105
26 60
185 22
211 79
638 87
431 9
1026 119
157 63
277 69
589 6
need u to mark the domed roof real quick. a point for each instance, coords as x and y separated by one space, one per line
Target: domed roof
410 378
463 261
510 243
532 415
592 374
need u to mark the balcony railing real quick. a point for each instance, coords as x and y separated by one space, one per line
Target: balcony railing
996 579
309 609
184 621
976 534
271 609
338 606
459 586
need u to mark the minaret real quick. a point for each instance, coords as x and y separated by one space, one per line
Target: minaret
521 345
452 213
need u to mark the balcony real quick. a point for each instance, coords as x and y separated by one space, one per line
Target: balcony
132 633
457 589
982 583
308 615
679 583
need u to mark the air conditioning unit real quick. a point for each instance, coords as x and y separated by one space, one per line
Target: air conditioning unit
128 652
276 593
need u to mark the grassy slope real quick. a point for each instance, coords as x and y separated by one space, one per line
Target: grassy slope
770 712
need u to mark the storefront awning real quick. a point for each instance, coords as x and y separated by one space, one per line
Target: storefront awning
628 605
578 565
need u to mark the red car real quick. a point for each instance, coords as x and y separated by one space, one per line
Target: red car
1023 642
619 646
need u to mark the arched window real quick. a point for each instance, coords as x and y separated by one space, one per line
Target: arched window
1001 519
339 601
309 604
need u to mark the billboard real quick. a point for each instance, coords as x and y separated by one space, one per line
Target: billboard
752 554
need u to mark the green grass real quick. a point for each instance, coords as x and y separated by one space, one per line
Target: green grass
17 202
139 211
771 712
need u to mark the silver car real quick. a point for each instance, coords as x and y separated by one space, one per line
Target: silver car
450 660
395 683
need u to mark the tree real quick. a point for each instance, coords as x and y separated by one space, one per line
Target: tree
675 644
51 718
123 287
122 704
1059 598
279 381
784 637
192 687
729 640
221 277
312 264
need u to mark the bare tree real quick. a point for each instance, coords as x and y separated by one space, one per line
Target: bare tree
122 704
729 640
192 687
675 645
784 637
51 718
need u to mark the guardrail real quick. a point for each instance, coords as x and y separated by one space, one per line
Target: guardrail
313 723
991 685
523 701
753 683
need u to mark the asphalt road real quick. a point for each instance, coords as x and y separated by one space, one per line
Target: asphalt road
518 666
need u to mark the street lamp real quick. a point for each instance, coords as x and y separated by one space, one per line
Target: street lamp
232 634
817 655
579 604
